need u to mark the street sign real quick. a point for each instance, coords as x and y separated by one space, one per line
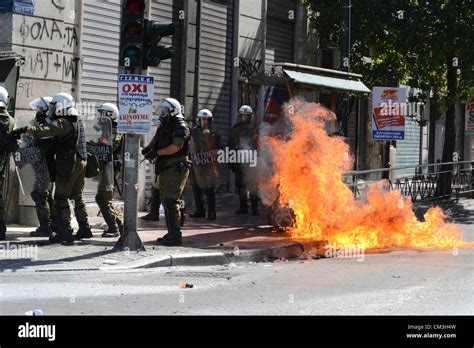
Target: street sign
469 129
135 103
389 105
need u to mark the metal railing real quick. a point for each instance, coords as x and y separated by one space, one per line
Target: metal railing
419 182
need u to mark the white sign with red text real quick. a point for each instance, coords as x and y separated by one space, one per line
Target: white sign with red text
135 103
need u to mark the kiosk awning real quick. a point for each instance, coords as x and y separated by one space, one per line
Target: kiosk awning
350 85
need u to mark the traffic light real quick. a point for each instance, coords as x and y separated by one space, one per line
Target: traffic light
153 54
132 33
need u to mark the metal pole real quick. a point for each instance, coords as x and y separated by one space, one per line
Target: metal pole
346 35
130 240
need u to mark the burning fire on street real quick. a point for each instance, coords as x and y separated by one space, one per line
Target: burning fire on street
307 167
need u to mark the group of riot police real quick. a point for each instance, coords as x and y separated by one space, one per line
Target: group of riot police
173 142
178 152
59 134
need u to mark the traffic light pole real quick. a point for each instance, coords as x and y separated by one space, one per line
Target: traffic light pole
130 240
138 49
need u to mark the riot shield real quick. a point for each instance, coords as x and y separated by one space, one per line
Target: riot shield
204 149
31 165
99 138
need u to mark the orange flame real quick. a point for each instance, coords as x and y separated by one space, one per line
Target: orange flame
307 170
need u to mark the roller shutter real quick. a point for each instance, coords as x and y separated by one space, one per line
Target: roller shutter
100 53
216 61
280 31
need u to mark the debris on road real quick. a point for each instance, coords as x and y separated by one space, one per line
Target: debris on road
110 262
185 285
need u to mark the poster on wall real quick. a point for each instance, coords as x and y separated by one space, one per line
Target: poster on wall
274 100
388 113
135 103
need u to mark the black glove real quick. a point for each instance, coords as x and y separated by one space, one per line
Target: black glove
44 141
151 154
145 150
16 133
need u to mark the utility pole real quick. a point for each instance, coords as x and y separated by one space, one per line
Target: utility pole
345 54
131 51
138 49
346 35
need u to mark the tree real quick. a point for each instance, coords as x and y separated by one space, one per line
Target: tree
425 44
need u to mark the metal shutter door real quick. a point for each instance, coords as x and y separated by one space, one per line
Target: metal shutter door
216 62
280 31
100 49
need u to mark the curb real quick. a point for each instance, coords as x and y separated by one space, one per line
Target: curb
284 252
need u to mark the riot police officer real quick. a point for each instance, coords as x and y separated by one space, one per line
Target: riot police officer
243 137
105 189
71 160
43 199
6 147
204 145
169 149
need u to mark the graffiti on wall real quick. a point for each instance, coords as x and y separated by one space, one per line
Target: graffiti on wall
249 68
47 64
43 29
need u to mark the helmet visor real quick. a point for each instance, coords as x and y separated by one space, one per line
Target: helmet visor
164 111
245 117
39 104
204 122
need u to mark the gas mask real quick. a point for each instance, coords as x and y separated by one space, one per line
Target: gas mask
163 115
205 124
245 118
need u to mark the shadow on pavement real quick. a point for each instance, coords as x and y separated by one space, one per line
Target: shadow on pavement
455 212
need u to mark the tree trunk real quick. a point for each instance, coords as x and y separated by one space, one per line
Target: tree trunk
432 133
444 181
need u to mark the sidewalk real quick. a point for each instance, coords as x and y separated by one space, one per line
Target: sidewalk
231 238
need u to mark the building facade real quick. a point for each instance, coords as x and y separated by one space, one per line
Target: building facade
222 50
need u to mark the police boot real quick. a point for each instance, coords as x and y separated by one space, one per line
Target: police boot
63 235
120 225
3 230
182 216
43 213
254 203
174 230
112 231
84 231
112 226
199 202
55 224
167 235
154 214
44 230
243 209
211 203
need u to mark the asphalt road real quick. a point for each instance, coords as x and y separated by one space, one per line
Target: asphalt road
396 282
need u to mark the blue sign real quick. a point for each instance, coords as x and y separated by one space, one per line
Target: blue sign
388 135
18 6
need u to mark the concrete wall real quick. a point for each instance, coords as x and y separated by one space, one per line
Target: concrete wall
49 40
